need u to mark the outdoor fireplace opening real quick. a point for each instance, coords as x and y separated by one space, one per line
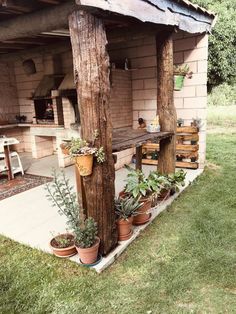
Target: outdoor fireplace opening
44 111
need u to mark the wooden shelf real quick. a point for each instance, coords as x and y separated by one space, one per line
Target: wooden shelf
127 138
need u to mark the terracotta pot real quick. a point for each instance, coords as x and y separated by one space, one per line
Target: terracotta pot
89 255
63 252
64 150
123 194
143 217
164 195
84 164
124 228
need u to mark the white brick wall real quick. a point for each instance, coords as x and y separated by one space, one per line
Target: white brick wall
191 101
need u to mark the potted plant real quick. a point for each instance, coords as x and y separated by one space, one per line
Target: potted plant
180 122
180 71
63 245
125 209
176 180
161 188
84 235
138 186
61 194
65 148
197 122
84 152
86 241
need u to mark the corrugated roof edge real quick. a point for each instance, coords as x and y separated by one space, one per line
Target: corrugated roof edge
196 7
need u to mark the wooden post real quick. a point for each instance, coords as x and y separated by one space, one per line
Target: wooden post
165 101
91 70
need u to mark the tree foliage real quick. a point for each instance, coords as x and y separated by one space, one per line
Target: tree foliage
222 42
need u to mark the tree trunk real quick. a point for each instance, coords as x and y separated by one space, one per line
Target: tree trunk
165 101
91 70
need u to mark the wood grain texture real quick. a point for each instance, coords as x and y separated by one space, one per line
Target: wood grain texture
165 101
91 71
37 22
127 138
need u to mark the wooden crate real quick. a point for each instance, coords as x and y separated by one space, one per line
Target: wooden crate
184 148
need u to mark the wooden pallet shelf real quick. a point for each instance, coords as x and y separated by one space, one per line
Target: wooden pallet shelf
184 148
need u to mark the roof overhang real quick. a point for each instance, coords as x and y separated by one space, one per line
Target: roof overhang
180 13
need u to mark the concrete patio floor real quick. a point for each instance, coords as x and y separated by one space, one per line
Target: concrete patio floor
29 219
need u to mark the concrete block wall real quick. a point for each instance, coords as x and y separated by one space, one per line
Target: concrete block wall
121 99
191 101
26 85
9 105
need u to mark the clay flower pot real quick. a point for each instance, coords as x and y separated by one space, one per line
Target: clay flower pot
123 194
124 228
64 150
143 216
84 164
89 255
164 195
65 251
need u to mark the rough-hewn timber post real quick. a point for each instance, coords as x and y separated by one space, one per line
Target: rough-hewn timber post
165 101
91 69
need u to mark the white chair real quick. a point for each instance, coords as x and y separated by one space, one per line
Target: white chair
3 167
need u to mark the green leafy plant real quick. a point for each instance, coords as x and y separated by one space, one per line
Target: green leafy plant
137 184
177 179
181 69
127 207
86 233
61 194
78 147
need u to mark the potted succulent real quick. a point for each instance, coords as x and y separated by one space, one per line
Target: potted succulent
125 209
83 153
86 241
63 245
60 193
138 186
180 71
197 122
180 122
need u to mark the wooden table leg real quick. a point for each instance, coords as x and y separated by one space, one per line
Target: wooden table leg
139 155
8 162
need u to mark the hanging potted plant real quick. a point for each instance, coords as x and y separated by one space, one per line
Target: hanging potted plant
126 209
180 71
86 241
139 188
83 154
61 194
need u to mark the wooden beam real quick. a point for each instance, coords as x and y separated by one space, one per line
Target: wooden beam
165 101
37 22
91 70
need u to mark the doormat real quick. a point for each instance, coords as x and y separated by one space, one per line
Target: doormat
20 184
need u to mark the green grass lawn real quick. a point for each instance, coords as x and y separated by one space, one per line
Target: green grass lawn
185 262
221 116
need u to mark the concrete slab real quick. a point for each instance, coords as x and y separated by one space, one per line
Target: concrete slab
29 218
